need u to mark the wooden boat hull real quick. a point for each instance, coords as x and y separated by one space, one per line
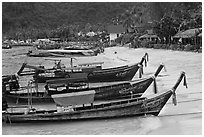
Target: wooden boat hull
22 99
131 107
123 73
112 109
136 89
117 91
6 47
115 74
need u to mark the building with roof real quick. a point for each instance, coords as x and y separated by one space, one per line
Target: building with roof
190 36
149 36
115 31
190 33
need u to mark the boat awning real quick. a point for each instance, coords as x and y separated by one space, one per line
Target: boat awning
74 98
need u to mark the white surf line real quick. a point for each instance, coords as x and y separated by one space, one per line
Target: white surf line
180 114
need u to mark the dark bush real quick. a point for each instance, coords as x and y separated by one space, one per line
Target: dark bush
189 47
147 44
174 46
113 44
157 46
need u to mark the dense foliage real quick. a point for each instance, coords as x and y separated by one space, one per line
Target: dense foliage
22 20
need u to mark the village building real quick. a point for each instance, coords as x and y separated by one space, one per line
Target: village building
190 36
115 31
150 36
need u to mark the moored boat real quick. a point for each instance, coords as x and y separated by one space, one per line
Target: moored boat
94 74
128 107
125 89
6 46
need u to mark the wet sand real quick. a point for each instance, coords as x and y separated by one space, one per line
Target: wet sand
185 118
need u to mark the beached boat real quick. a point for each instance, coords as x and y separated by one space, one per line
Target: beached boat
126 89
94 74
42 74
43 54
128 107
64 53
10 81
57 71
48 46
6 46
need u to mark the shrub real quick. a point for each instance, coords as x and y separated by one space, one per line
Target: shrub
189 47
147 44
158 46
143 43
113 44
174 47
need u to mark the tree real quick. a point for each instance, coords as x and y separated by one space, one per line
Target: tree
127 19
166 28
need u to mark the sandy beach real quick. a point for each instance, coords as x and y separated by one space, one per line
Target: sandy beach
184 119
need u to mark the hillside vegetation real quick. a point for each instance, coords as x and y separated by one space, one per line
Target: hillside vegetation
18 17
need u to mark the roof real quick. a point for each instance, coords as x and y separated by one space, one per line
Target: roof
188 33
148 36
116 29
91 34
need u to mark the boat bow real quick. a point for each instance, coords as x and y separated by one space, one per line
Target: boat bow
182 76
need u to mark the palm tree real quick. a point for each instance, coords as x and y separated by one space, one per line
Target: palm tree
127 20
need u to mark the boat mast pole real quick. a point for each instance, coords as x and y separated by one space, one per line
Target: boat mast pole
71 62
31 95
29 89
28 93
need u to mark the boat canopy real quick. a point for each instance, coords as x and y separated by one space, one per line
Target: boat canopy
74 98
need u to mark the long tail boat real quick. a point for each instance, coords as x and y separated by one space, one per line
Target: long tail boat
128 107
96 74
126 89
10 81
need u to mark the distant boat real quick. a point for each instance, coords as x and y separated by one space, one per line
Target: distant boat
85 52
6 46
48 46
63 53
93 110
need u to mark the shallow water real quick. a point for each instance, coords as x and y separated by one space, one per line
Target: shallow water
185 118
